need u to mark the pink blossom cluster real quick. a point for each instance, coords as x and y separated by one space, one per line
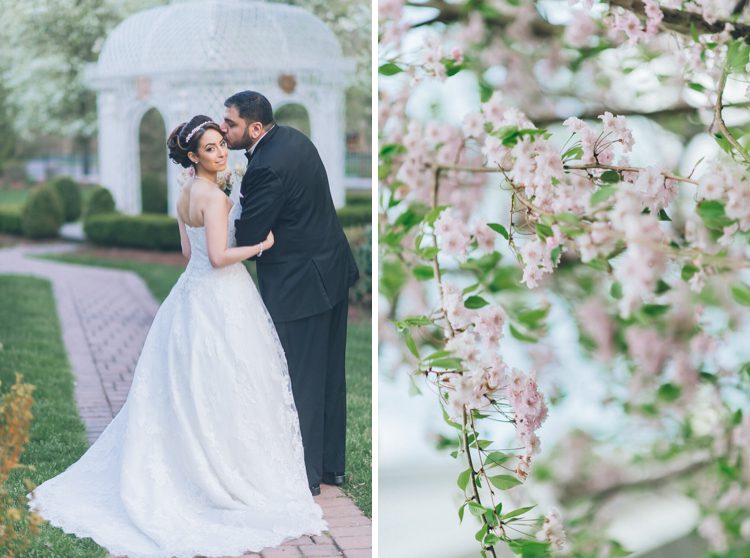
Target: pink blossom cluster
644 260
712 10
529 408
627 22
454 236
393 25
598 240
536 163
597 324
725 181
581 30
597 146
553 531
537 258
476 340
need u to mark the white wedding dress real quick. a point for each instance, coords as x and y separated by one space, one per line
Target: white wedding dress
205 457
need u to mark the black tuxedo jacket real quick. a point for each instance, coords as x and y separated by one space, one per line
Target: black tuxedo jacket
285 189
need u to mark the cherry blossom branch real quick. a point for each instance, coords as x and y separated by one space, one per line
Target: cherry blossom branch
572 491
675 20
719 120
585 166
682 22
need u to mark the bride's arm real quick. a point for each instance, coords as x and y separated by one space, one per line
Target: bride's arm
215 219
184 240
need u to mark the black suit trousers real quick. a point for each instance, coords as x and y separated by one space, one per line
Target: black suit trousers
315 349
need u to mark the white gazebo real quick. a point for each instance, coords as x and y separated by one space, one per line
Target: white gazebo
187 57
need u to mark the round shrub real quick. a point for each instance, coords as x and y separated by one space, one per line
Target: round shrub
42 215
153 194
100 200
151 232
10 219
70 193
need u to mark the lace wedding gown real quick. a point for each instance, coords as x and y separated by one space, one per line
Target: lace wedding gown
205 457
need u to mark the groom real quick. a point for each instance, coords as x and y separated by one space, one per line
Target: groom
304 280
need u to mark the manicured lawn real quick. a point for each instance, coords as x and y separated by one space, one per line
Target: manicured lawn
32 345
13 197
160 279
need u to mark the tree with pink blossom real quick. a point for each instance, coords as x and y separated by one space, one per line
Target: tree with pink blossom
533 192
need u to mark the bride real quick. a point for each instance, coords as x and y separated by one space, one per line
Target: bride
205 457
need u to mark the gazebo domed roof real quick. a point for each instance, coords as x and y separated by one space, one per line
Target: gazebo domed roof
219 35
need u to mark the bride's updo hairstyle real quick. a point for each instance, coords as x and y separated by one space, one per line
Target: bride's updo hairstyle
186 137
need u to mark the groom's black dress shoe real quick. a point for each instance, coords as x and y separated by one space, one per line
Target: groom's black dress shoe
336 479
315 490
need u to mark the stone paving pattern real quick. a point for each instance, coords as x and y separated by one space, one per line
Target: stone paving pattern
105 315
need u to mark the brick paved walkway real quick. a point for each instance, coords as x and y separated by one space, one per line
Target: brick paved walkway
105 315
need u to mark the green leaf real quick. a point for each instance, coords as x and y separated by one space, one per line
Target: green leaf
504 482
474 302
573 154
491 538
688 270
528 548
741 293
485 90
516 513
433 214
663 216
436 355
543 231
602 194
599 264
423 272
610 177
477 510
447 363
463 479
389 69
412 321
461 513
737 55
654 310
713 215
669 392
498 228
410 343
531 318
450 422
616 290
696 87
496 458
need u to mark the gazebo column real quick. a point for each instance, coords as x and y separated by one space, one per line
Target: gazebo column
327 128
118 153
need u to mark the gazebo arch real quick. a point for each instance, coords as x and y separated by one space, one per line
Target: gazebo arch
169 58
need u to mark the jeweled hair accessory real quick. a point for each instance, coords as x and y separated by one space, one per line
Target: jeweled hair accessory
194 130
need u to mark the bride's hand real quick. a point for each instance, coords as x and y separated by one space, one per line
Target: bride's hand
269 240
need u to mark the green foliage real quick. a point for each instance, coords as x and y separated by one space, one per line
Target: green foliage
70 194
360 241
359 197
153 194
351 215
10 219
100 200
43 214
151 232
32 343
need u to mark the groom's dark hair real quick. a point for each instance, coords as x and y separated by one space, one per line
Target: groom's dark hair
252 106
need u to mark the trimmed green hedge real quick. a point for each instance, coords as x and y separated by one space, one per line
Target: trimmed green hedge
43 213
10 219
360 241
150 232
359 197
70 194
351 215
100 200
153 194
